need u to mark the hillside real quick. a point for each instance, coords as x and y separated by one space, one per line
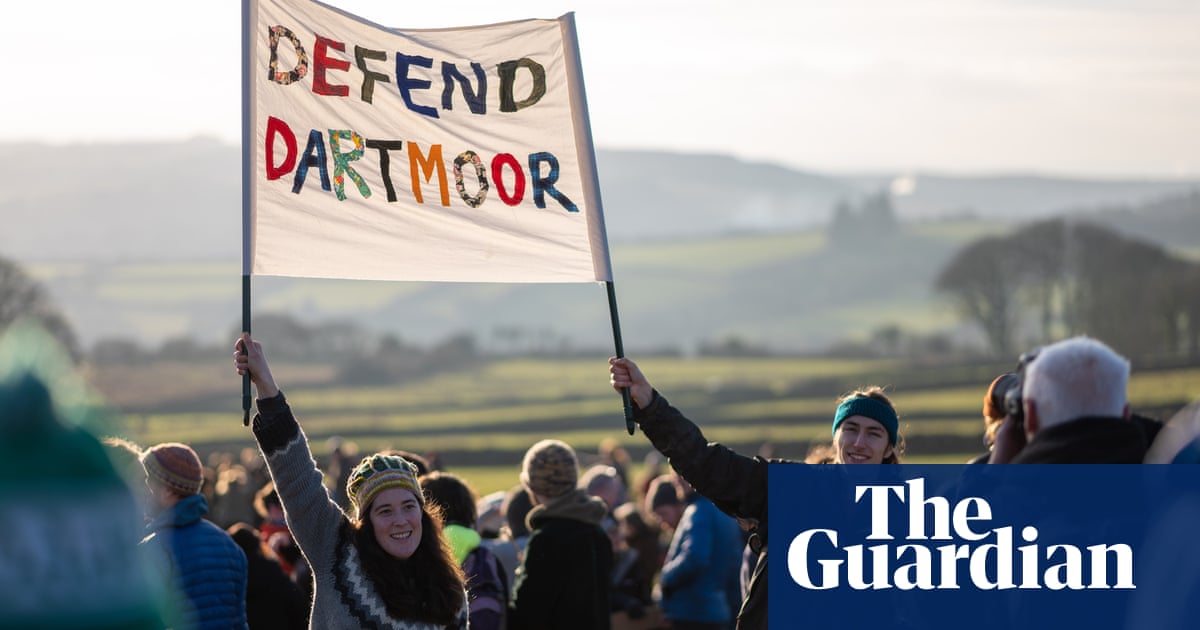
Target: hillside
143 241
789 291
175 201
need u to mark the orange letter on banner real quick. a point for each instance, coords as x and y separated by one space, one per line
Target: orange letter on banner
421 166
278 129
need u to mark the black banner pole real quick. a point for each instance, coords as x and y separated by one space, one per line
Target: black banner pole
247 398
247 187
616 325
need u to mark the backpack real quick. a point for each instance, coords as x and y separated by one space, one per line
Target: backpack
487 590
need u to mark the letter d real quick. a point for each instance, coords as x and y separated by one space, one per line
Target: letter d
285 77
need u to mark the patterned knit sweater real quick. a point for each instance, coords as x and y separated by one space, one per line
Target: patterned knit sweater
344 597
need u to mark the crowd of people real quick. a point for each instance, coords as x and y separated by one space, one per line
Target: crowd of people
277 539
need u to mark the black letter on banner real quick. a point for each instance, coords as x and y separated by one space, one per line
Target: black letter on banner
385 162
508 79
361 55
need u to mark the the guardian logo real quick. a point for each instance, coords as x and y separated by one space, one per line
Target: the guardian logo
960 547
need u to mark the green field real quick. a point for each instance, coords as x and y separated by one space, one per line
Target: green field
480 421
792 291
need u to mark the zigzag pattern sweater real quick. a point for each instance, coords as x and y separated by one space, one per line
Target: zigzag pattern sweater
344 596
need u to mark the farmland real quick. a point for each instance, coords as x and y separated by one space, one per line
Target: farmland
480 420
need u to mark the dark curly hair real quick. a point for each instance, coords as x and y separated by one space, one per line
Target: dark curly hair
426 587
453 495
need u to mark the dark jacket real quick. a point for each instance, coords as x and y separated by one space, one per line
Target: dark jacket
273 600
736 484
564 579
206 568
1091 441
487 588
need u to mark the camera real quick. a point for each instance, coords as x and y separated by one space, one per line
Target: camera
1014 395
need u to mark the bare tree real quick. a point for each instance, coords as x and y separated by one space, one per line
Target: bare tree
983 277
21 296
1071 277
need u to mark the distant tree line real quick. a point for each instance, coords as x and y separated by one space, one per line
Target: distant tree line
360 356
1059 277
873 217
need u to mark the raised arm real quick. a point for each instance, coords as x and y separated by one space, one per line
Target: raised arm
736 484
625 373
249 357
312 516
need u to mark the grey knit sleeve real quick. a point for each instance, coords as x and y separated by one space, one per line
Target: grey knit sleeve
312 516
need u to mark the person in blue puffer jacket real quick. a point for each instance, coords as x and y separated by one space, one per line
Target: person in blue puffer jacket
701 564
204 568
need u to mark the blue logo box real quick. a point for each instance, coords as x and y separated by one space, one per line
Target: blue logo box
977 546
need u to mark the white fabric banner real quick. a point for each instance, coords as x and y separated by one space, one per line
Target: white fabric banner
455 155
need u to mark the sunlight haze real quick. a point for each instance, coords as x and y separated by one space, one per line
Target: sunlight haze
1058 87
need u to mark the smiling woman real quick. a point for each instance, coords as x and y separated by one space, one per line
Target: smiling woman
387 564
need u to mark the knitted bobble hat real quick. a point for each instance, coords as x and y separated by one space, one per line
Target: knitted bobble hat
376 473
175 466
550 468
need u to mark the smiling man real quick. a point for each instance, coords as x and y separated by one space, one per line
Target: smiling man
866 430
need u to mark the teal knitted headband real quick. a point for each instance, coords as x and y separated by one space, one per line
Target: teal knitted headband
871 408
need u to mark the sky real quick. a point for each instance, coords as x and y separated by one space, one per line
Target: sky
1093 88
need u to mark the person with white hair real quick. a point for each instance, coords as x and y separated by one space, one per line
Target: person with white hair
1071 408
604 482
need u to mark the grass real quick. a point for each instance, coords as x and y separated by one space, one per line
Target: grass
1166 387
487 479
723 256
484 418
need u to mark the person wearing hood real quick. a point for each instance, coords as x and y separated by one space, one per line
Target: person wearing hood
564 577
206 568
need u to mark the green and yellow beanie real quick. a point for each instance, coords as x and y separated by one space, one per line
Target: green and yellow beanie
376 473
